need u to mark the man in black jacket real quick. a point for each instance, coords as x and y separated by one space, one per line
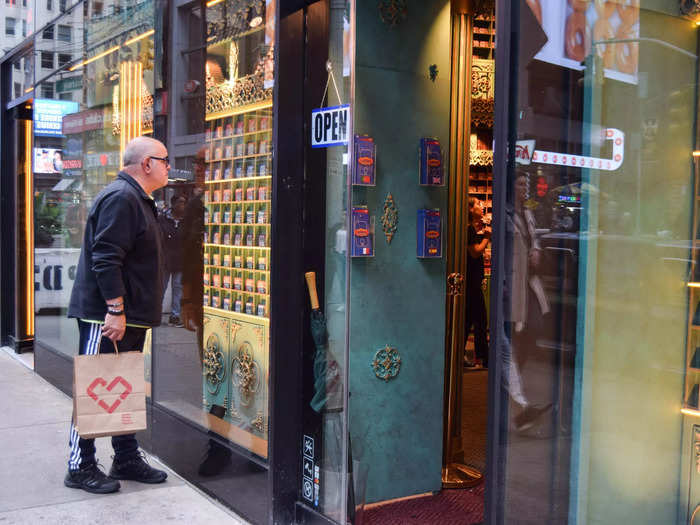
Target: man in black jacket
117 296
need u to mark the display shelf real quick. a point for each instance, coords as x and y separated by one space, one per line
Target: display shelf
239 110
241 157
214 140
239 179
236 272
235 246
480 184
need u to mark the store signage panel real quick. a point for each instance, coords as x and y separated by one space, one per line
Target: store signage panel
54 274
524 149
69 84
581 161
48 116
83 121
525 153
107 159
329 126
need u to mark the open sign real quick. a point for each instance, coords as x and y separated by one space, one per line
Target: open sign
329 126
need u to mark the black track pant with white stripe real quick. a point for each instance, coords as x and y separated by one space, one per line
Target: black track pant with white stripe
82 451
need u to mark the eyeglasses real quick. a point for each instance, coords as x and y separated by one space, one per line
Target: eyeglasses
164 159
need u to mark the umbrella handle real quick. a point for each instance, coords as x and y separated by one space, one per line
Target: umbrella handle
313 294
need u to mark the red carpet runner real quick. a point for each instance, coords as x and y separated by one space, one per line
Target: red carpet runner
449 507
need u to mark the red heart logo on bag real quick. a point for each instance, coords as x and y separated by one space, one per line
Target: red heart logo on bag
98 381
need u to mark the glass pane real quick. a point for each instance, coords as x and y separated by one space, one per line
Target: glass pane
22 80
60 200
16 23
598 340
93 97
324 485
213 350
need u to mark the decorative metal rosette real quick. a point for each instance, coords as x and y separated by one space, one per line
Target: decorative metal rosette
245 374
392 11
387 363
213 361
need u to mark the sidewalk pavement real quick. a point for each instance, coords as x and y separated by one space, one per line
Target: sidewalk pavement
34 447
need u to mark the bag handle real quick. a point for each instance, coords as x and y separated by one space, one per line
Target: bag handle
99 344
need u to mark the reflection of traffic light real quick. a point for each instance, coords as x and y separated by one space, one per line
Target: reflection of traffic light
542 186
147 53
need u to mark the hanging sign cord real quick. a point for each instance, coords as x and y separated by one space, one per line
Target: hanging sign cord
331 76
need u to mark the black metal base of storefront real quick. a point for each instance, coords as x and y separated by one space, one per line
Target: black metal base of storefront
22 345
307 516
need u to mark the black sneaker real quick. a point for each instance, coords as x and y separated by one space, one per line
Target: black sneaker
137 469
175 321
90 478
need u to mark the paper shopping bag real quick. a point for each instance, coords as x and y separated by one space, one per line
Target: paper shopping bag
109 396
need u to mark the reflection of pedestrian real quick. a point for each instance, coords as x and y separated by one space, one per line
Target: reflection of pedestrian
478 237
76 215
116 296
528 304
217 456
192 249
170 224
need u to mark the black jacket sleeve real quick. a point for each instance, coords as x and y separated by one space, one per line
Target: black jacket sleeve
115 230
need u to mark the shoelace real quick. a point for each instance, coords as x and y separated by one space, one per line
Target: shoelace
96 472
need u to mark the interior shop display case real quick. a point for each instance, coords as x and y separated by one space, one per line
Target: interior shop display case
237 198
482 113
484 36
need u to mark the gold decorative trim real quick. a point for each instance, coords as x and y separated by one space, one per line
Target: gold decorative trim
481 157
482 78
259 422
213 364
482 112
390 218
245 374
235 92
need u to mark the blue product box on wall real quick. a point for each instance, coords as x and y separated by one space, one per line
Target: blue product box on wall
429 228
365 157
431 169
362 234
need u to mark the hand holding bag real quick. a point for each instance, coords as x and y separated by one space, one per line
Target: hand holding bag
109 396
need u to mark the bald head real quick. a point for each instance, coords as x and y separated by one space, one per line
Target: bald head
140 148
146 160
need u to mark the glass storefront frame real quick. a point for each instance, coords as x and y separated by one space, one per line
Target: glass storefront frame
299 231
280 478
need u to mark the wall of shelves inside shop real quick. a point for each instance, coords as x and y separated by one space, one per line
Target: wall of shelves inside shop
481 133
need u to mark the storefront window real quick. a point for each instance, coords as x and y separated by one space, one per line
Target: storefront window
211 363
99 97
596 327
